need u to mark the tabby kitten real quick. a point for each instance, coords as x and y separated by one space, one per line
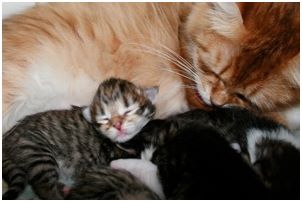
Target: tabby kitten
45 148
120 109
190 141
109 184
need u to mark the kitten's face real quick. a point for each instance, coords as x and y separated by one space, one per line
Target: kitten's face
120 109
243 55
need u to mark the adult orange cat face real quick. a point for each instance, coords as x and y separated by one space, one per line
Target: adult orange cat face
244 54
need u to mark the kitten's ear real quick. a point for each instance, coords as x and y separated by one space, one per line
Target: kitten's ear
151 93
87 114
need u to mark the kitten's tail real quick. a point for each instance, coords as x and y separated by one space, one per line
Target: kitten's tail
275 155
15 178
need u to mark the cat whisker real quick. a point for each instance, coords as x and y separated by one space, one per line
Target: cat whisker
172 58
188 87
174 72
188 64
188 74
184 64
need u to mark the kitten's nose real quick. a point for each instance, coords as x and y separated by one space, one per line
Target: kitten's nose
118 125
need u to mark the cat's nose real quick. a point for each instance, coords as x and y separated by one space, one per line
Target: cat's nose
218 100
118 125
219 95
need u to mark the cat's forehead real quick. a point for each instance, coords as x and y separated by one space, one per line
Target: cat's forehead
119 107
115 89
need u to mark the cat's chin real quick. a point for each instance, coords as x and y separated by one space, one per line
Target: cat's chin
122 138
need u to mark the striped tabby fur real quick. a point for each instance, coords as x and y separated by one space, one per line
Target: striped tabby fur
45 146
105 183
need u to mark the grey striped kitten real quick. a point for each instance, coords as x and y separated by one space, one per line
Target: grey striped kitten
49 150
107 184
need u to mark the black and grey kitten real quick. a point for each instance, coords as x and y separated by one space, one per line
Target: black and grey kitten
45 148
271 149
190 154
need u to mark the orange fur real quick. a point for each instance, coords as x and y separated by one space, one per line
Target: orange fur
87 42
245 54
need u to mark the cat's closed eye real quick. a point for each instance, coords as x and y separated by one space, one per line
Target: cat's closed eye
127 112
241 96
103 121
130 111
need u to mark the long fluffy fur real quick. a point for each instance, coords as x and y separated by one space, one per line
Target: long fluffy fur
244 54
51 64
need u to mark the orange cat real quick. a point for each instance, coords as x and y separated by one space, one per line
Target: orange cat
243 54
55 55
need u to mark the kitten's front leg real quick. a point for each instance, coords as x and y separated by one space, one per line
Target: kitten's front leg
144 170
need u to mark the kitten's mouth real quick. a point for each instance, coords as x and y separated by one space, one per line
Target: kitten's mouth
123 133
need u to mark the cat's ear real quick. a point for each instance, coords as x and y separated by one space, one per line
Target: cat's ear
226 19
151 93
87 114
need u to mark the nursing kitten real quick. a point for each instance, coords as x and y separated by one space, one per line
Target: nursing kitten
270 148
51 146
243 54
193 163
109 184
120 109
190 141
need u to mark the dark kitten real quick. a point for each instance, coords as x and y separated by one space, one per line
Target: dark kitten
194 162
269 147
109 184
196 141
45 148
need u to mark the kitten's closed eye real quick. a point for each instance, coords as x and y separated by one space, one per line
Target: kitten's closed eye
103 121
130 111
127 112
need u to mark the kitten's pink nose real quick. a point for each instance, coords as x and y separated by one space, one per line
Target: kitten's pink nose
118 125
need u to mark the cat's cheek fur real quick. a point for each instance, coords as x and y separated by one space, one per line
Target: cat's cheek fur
131 129
144 170
110 132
